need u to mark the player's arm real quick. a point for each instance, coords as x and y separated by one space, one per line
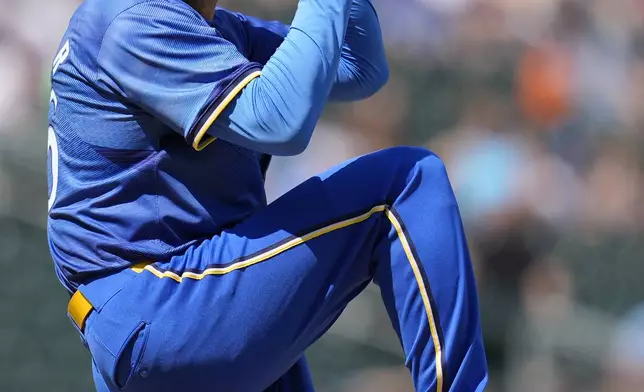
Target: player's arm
363 67
164 58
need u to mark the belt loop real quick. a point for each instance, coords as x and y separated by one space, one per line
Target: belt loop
79 309
94 295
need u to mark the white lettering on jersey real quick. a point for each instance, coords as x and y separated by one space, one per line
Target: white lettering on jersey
52 143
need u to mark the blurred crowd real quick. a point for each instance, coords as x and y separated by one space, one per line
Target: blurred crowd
534 105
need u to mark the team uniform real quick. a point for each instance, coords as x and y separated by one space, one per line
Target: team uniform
162 125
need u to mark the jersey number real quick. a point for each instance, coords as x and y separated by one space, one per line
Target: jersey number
52 150
52 143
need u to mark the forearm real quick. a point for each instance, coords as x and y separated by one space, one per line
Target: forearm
363 67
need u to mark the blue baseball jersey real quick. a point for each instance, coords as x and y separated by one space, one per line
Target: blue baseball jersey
134 87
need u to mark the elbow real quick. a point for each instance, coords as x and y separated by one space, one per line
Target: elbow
292 144
284 126
368 80
291 139
377 78
263 120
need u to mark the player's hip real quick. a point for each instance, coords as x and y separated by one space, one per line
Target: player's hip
146 333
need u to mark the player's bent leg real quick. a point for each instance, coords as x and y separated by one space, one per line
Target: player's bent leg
236 312
436 315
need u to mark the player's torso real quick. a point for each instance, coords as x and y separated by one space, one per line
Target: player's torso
123 186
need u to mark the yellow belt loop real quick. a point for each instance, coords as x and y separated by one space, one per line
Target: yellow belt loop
79 309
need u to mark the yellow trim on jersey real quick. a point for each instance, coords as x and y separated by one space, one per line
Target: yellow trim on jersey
197 143
79 309
424 293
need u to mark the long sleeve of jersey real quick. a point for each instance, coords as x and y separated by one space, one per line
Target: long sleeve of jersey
196 78
363 67
277 112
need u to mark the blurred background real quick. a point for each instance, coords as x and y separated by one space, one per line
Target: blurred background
535 106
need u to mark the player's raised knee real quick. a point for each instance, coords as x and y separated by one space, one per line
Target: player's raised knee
434 167
407 161
405 153
408 156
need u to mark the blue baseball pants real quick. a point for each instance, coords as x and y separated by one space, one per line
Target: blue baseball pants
237 312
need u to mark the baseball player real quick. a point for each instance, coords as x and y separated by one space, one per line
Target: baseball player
163 117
